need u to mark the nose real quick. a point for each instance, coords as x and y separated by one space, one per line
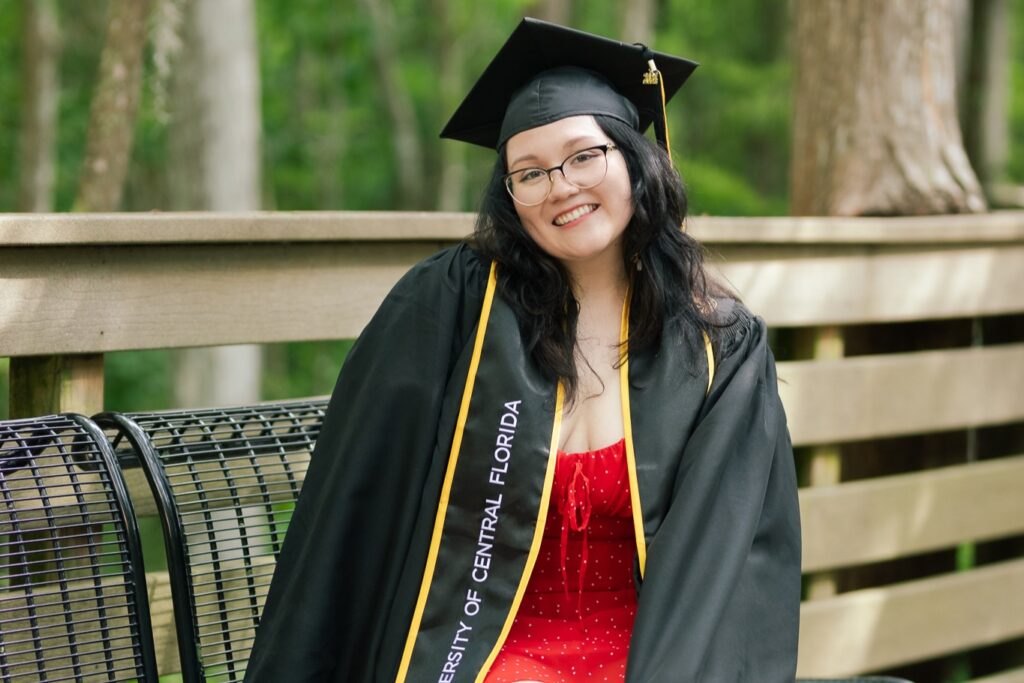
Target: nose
560 187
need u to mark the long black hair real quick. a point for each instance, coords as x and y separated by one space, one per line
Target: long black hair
669 289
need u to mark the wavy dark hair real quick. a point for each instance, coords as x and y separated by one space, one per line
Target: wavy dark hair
669 289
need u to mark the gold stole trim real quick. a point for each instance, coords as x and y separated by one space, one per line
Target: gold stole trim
627 427
453 459
538 536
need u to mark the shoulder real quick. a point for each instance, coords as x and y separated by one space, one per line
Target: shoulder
457 271
733 326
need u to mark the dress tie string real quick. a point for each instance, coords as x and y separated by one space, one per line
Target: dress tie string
575 511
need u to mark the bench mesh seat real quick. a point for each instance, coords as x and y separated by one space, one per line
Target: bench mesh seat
72 590
225 482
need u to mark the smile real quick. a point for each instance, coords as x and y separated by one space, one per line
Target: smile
578 212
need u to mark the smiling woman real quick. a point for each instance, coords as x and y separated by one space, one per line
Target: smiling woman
586 202
557 452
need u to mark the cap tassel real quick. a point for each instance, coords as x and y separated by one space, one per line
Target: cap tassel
653 77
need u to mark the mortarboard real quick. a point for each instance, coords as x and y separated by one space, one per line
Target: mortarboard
545 72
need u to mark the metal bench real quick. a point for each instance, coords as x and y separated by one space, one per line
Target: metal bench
225 482
73 601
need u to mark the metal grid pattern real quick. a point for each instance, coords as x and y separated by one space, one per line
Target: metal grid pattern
226 481
72 591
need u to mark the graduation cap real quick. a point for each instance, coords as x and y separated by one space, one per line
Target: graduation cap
545 72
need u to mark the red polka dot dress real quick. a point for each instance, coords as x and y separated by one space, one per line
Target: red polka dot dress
576 617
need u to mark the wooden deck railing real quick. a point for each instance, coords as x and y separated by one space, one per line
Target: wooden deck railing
73 287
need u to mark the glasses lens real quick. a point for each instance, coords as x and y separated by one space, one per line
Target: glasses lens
587 168
530 185
583 169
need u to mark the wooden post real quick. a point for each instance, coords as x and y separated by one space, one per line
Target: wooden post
825 464
45 385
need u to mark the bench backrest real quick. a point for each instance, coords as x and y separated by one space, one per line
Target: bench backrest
225 482
73 601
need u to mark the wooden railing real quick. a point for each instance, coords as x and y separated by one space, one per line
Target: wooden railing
75 287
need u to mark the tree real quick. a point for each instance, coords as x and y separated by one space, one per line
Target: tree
407 147
41 51
638 21
215 163
875 128
114 108
987 129
450 57
555 11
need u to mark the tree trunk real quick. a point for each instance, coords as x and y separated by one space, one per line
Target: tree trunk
876 132
185 139
875 127
449 66
41 36
114 108
986 128
229 87
407 148
555 11
638 21
215 143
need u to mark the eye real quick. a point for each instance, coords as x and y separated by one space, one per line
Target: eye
584 156
530 175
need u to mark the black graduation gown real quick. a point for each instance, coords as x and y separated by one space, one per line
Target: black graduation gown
719 596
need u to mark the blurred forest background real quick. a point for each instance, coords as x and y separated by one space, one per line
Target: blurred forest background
349 98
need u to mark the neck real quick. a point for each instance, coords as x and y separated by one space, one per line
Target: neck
599 282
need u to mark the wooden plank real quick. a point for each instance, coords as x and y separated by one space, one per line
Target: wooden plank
50 493
49 385
143 503
794 286
876 628
208 484
45 611
239 584
261 481
1010 676
908 393
824 462
887 517
161 612
282 226
97 299
123 229
108 299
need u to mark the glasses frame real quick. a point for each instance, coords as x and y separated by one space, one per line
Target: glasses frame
605 148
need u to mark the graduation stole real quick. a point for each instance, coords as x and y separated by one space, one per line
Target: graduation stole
494 504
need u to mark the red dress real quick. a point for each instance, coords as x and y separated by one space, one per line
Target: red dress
576 617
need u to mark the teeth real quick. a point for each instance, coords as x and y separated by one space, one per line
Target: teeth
574 214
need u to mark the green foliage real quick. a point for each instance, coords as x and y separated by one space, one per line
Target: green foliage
718 191
10 95
328 143
302 369
137 380
731 119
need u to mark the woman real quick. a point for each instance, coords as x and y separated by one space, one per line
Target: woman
555 454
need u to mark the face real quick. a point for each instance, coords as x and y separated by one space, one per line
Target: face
573 225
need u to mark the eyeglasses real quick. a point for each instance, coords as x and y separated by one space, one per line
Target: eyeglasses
583 169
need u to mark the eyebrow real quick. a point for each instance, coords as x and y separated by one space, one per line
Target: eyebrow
568 143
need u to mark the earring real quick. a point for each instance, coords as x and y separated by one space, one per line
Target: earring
638 263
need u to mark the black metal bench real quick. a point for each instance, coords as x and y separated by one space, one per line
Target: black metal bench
225 482
73 603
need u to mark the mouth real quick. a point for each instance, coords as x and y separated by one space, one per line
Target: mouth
574 214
